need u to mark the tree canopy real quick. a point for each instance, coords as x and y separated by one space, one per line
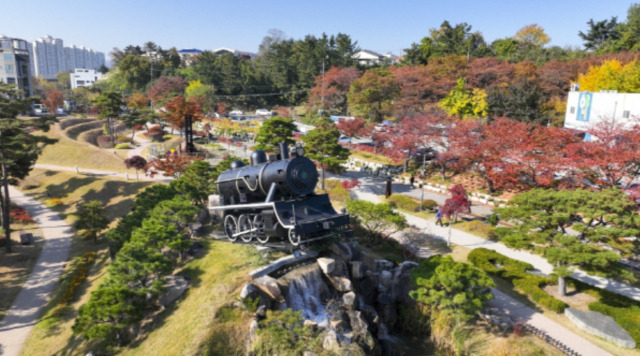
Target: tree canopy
274 131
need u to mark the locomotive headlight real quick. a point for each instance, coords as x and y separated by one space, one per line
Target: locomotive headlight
300 151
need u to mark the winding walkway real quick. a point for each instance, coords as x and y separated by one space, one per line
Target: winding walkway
36 292
371 188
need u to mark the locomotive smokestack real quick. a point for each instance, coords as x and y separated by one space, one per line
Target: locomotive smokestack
284 151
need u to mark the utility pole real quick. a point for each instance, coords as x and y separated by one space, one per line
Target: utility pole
424 164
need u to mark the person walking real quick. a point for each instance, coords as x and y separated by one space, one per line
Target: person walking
439 217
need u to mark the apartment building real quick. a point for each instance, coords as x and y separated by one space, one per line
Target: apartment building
14 63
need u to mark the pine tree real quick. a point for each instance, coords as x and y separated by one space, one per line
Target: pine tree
321 145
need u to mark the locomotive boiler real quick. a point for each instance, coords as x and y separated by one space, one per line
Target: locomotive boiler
275 199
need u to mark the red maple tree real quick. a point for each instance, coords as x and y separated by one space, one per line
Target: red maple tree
331 89
457 204
354 128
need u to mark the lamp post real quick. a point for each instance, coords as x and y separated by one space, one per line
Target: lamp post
424 164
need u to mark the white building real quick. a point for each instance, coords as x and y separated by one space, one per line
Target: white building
585 108
84 77
366 57
14 63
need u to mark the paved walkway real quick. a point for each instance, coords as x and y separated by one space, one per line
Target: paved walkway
98 172
36 292
372 187
519 311
370 190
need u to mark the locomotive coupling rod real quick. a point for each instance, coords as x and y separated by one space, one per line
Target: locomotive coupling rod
242 206
244 232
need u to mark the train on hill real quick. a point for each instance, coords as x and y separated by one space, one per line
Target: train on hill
275 198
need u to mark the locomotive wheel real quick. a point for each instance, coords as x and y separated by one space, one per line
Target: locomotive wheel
245 226
231 227
258 224
293 238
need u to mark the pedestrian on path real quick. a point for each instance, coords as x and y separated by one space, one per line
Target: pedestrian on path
412 180
439 217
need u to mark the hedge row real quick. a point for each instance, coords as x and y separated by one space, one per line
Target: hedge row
64 124
75 131
625 311
407 203
516 272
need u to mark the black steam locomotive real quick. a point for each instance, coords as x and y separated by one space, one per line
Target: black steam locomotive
275 198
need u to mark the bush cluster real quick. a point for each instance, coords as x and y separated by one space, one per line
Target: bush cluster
516 272
336 191
404 202
51 202
76 130
64 124
19 216
482 229
79 275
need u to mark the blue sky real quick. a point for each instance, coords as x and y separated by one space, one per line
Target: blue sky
382 26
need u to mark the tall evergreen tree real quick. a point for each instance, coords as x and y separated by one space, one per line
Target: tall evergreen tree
321 145
19 148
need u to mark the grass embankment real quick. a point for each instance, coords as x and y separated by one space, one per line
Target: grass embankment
200 323
16 266
62 191
69 153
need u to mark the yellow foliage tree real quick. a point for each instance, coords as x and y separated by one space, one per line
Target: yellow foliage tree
612 75
464 103
532 35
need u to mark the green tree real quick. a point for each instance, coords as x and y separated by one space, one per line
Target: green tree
464 103
19 148
110 104
372 94
274 131
143 205
630 30
196 183
91 218
599 33
521 100
376 219
321 145
447 40
454 288
111 308
598 218
135 70
505 48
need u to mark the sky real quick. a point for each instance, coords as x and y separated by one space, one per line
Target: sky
381 26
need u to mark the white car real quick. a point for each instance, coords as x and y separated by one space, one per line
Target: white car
236 112
263 112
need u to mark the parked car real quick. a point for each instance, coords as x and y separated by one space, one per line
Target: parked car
263 112
236 112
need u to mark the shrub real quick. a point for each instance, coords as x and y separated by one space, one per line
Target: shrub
19 216
482 229
79 275
339 194
516 272
493 219
403 202
429 205
51 202
123 146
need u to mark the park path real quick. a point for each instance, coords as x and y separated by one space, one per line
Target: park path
371 188
20 319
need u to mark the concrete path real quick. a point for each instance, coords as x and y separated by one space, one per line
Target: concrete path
36 292
519 311
372 187
98 172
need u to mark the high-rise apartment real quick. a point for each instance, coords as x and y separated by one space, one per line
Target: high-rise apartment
49 57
